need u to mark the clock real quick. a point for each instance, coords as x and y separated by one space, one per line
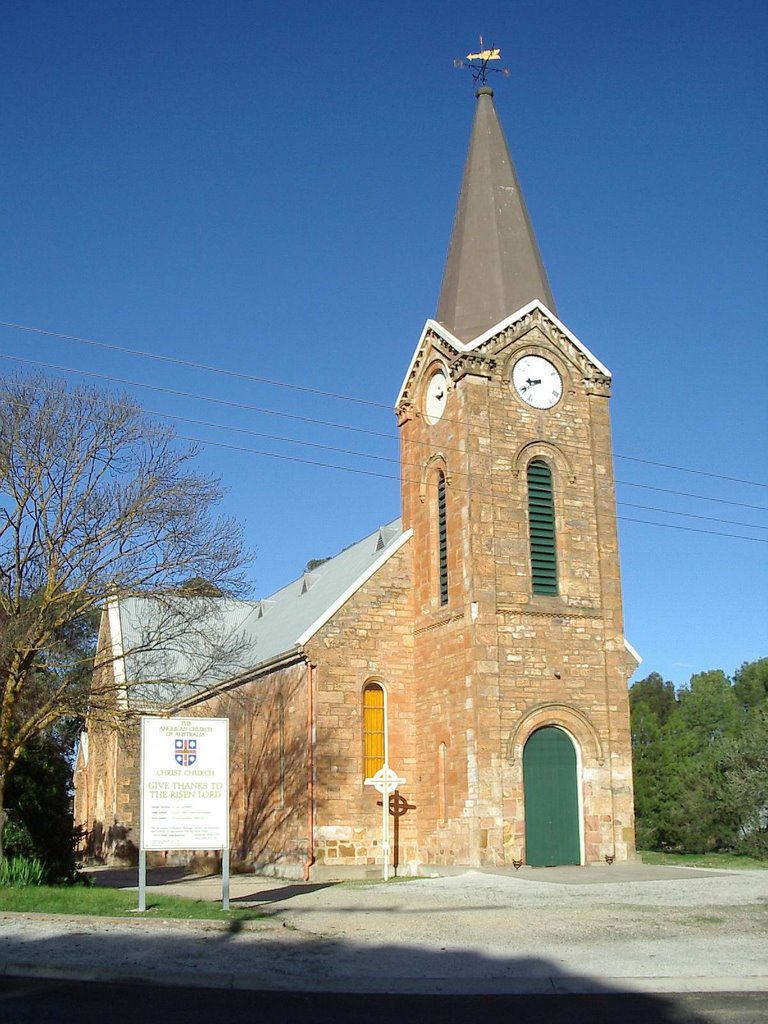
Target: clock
537 382
437 393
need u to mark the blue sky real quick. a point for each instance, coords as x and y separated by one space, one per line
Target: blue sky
270 189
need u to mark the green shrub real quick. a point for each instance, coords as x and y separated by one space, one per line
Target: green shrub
17 872
17 841
38 802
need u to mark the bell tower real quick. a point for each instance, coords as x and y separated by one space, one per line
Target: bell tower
521 667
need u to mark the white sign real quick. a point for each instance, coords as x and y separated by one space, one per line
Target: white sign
184 784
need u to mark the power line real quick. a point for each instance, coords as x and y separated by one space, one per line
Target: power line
390 476
279 437
192 364
412 465
693 529
201 398
314 421
282 439
273 382
687 494
691 515
396 478
289 458
687 469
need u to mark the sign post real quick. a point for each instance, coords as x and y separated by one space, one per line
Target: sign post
184 791
385 781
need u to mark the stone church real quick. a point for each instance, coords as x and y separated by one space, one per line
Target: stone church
476 645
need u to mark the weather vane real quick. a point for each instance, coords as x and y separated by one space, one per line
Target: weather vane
478 63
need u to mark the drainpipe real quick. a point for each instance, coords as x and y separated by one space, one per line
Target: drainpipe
310 772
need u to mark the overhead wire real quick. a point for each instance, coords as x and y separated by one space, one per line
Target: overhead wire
397 478
317 422
454 472
273 382
246 406
282 439
193 364
393 477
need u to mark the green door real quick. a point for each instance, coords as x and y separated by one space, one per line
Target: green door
551 799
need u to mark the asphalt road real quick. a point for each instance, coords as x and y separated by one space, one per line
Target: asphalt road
27 1001
641 939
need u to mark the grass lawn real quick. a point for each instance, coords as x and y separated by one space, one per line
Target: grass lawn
724 861
80 899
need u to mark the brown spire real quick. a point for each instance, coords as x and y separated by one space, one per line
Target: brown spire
493 266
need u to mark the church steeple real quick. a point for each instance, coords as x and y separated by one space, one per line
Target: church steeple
494 266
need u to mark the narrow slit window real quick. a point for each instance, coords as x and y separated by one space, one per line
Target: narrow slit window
442 781
374 730
281 750
541 521
442 539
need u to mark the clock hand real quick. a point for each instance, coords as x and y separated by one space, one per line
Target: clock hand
529 384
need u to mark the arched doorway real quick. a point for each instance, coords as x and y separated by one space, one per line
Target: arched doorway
550 784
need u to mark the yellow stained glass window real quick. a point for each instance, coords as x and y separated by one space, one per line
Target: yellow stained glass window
374 751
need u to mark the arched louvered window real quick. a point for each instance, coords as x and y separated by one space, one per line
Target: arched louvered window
374 729
541 522
442 540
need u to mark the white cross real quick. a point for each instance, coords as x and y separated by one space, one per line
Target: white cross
386 780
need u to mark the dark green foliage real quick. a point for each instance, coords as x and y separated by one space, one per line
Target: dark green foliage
701 762
38 801
750 683
198 587
744 767
655 694
315 563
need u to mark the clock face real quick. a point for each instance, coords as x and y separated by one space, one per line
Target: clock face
537 382
437 393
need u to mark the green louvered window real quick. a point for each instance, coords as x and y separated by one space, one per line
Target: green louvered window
541 519
442 539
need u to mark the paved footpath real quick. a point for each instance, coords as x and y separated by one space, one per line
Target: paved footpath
633 928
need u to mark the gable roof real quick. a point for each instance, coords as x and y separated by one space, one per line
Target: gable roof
460 347
177 647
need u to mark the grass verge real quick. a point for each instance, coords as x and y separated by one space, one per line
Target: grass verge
724 861
102 902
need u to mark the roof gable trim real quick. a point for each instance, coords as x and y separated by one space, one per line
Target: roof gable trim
117 651
469 346
353 588
632 652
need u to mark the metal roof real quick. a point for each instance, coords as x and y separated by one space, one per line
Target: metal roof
493 266
178 646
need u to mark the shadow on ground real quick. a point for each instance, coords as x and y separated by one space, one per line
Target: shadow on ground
201 976
283 892
128 878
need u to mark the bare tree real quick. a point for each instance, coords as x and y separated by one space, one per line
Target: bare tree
97 501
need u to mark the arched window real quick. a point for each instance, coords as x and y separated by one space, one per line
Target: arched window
541 523
442 540
374 729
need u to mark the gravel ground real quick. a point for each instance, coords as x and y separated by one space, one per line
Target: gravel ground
676 930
